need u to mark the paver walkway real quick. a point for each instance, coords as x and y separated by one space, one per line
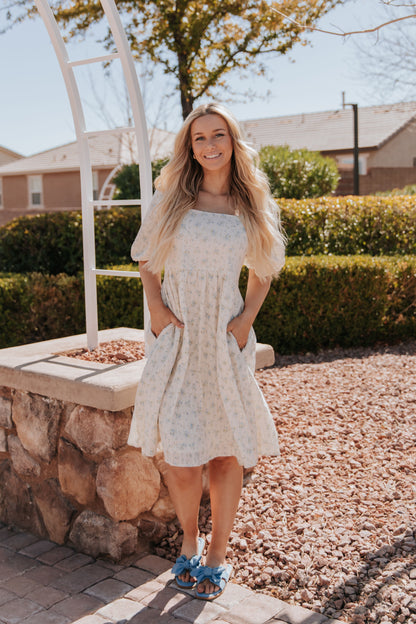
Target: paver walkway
43 583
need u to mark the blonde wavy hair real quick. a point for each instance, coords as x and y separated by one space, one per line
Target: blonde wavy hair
180 181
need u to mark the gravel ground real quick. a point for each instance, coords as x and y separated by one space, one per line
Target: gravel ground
331 523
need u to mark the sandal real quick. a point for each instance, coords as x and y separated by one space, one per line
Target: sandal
183 563
217 576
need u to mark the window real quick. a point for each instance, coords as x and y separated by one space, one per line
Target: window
35 191
1 193
95 185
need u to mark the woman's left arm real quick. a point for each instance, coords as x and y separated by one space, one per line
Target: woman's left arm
255 295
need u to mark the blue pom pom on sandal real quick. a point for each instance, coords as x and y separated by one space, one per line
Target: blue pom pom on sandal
217 576
183 564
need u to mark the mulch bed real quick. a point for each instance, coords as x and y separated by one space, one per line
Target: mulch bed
331 523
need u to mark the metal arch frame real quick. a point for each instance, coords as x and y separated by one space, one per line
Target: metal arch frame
82 136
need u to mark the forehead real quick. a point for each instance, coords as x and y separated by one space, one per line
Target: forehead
208 123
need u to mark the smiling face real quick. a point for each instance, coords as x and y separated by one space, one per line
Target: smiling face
212 144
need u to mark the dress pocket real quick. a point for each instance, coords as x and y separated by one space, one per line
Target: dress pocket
163 331
250 339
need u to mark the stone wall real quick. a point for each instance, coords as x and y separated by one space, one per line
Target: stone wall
66 473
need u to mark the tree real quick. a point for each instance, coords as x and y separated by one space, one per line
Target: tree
197 41
388 60
388 54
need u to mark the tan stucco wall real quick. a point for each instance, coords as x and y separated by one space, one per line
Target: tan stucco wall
398 152
15 192
62 190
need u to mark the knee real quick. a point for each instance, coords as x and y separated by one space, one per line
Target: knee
223 465
184 477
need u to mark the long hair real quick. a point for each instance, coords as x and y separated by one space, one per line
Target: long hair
181 179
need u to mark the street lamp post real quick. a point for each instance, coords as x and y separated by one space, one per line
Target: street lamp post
356 181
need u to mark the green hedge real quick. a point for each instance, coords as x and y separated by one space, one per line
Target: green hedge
318 302
377 226
52 243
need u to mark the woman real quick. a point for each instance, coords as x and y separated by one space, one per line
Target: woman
211 213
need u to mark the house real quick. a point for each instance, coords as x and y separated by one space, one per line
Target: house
50 181
386 136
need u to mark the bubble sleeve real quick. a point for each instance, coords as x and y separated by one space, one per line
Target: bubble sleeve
140 248
273 268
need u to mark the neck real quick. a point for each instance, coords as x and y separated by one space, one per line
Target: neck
216 183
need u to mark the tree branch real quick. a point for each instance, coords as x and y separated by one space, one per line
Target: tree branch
345 34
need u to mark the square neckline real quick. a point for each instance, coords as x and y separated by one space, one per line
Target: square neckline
224 214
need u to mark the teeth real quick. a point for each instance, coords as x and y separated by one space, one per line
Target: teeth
215 156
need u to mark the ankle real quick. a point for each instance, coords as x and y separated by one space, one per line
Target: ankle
215 558
189 545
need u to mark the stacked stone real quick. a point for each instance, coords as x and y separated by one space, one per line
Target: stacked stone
66 473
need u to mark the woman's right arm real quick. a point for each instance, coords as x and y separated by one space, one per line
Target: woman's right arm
160 315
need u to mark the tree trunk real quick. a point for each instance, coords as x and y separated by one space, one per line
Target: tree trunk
187 103
185 87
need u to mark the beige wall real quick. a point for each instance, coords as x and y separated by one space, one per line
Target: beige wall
398 151
15 193
377 179
62 190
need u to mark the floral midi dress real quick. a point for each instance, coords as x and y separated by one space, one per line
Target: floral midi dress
197 395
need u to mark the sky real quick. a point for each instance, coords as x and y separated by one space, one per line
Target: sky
35 113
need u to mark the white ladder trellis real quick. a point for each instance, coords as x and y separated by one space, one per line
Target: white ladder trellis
88 203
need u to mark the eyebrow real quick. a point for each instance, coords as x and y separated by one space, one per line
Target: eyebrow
217 130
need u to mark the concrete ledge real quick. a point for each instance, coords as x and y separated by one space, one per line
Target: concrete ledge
38 368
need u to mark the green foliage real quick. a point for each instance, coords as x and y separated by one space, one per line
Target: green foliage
298 174
350 225
410 189
318 302
322 302
36 307
52 242
127 180
197 42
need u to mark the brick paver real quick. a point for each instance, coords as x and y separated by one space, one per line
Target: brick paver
43 583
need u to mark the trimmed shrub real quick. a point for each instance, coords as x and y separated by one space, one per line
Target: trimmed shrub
52 242
298 174
410 189
318 302
378 226
322 302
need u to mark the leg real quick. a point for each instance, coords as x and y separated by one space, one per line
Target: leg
225 482
185 489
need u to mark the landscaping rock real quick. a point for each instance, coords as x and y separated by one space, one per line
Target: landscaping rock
76 474
16 504
37 420
98 431
163 509
3 441
6 412
22 462
97 535
55 509
128 484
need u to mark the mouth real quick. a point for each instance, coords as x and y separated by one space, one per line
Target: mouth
213 156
